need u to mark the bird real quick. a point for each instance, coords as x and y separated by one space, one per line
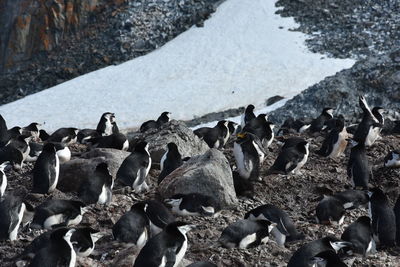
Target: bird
358 169
84 240
170 161
12 210
392 159
114 140
3 179
3 132
335 142
262 128
165 249
46 170
284 231
352 199
396 210
63 152
215 137
12 155
330 210
159 216
248 115
135 168
233 127
318 124
290 125
66 136
193 204
360 234
32 130
85 134
369 128
107 124
246 234
152 124
21 143
98 187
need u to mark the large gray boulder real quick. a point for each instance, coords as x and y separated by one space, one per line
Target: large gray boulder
208 174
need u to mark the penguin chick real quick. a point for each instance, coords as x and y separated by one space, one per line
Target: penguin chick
335 142
98 188
159 216
192 205
165 249
246 234
359 233
215 137
133 226
46 170
66 136
330 210
284 231
11 213
151 124
352 199
392 159
383 218
170 161
358 169
12 155
107 124
318 124
58 212
290 160
248 115
135 168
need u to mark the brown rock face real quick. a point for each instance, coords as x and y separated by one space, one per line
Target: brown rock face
32 26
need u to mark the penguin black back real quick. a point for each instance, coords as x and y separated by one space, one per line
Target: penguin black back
171 160
11 213
397 215
3 132
46 170
152 124
64 135
359 233
330 210
358 167
159 216
248 115
318 124
107 124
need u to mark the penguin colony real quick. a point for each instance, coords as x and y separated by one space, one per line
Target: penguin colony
158 228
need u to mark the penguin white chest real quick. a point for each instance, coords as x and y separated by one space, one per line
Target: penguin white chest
240 161
103 197
57 169
261 154
302 162
181 253
3 185
53 220
14 232
108 129
64 154
373 134
164 157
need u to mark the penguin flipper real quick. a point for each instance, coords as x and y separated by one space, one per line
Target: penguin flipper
170 255
13 219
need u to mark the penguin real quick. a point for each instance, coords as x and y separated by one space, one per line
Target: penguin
249 155
327 258
46 170
97 188
318 124
352 199
392 159
335 142
117 141
32 130
290 125
3 179
64 135
170 161
3 132
58 252
84 240
135 168
63 152
284 231
107 124
330 210
359 233
202 264
248 115
159 216
215 137
246 234
14 132
262 128
34 151
22 144
151 124
358 169
369 128
192 205
43 135
165 249
383 218
58 212
396 210
291 159
302 257
12 155
133 226
11 213
291 142
85 134
243 187
232 127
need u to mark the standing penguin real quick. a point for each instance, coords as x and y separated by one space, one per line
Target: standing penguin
58 252
107 124
246 234
291 159
135 168
378 114
11 214
133 226
369 128
32 130
318 124
170 161
165 249
192 205
3 179
397 214
336 141
233 127
46 170
358 168
247 116
392 159
262 128
383 218
330 210
215 137
97 188
249 155
21 143
359 233
284 231
152 124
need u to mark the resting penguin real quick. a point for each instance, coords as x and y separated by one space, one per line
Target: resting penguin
34 151
294 126
369 128
215 137
352 199
397 215
32 130
159 216
383 218
115 140
284 231
291 159
246 234
12 155
359 233
291 142
107 124
133 226
22 144
330 210
392 160
11 213
151 124
98 187
165 249
358 169
262 128
3 179
64 135
43 135
247 116
85 134
135 168
335 142
192 205
84 240
318 124
58 252
46 170
302 257
58 212
14 132
249 155
170 161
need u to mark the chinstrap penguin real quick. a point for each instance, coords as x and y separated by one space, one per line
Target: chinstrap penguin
107 124
192 205
215 137
46 170
152 124
359 233
330 210
358 169
170 161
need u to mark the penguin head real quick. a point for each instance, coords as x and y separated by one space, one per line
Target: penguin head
34 126
43 135
376 193
267 224
328 112
140 207
335 243
182 227
172 146
250 107
262 116
142 146
50 148
102 167
243 136
303 146
62 233
16 130
378 110
108 116
232 126
271 125
164 117
363 102
79 205
222 124
365 220
91 233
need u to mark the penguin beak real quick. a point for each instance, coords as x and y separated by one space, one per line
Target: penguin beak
241 135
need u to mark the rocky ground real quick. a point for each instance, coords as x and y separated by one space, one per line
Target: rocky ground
298 195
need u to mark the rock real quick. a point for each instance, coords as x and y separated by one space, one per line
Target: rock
208 174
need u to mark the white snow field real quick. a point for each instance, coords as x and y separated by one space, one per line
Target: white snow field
244 54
